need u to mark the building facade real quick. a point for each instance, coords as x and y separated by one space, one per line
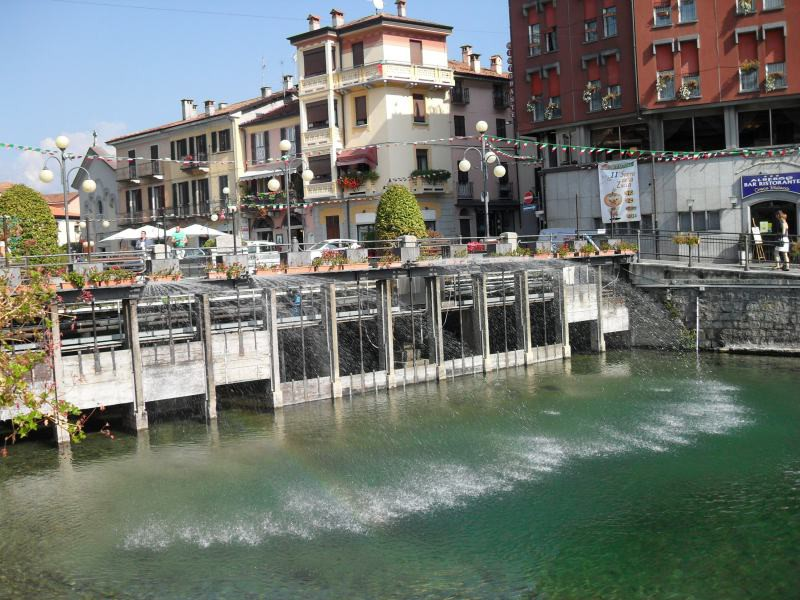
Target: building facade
98 210
701 94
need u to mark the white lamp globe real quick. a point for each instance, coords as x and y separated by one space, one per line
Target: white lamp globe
46 176
308 175
464 166
226 190
481 126
106 224
285 145
491 158
273 185
62 142
499 171
215 217
82 225
89 186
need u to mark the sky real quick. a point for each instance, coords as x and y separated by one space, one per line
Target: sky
114 66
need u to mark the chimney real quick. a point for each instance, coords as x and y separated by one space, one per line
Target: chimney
476 62
497 64
209 104
313 22
266 91
187 109
337 17
222 106
288 82
401 8
465 52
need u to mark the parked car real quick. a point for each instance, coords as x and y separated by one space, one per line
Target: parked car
262 253
194 261
339 245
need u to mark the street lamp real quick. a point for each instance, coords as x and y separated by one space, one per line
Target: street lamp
232 209
84 225
486 159
46 176
290 161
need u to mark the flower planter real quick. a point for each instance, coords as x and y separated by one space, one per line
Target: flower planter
217 275
267 272
162 278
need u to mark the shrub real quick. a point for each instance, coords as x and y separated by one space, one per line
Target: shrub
210 243
32 230
398 214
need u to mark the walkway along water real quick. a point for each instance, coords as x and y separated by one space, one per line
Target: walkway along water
312 338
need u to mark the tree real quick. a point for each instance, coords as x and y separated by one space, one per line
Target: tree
33 230
398 214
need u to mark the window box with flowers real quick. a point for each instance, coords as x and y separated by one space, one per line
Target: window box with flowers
589 91
774 81
665 85
748 75
357 183
534 106
609 101
689 89
744 7
552 110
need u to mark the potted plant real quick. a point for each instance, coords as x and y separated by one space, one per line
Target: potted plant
589 92
748 65
550 110
265 269
605 247
73 280
217 271
662 81
587 250
475 247
744 7
794 251
607 101
235 271
542 251
563 251
686 91
431 176
531 105
772 80
96 277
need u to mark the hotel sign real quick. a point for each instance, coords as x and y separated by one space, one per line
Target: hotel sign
780 182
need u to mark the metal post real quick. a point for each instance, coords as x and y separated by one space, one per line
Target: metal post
523 315
208 354
746 251
480 318
386 325
332 331
59 421
433 293
598 334
138 417
63 164
288 204
270 323
485 176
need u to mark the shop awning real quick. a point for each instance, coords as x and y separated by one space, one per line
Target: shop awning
357 156
249 175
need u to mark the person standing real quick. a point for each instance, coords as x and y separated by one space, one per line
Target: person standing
179 242
782 249
145 246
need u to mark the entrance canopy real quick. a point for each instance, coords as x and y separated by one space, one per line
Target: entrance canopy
358 156
250 175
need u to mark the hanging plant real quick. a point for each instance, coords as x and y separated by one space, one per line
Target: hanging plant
772 81
608 100
744 6
550 110
687 89
749 65
531 105
662 81
589 92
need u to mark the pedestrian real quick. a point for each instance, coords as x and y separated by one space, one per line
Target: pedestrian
179 242
297 303
782 249
145 246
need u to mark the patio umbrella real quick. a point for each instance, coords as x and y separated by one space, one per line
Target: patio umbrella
198 231
153 233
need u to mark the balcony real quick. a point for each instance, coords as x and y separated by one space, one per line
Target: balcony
460 95
418 185
318 83
502 100
506 191
317 138
128 173
152 169
365 189
138 216
394 72
326 189
197 163
465 191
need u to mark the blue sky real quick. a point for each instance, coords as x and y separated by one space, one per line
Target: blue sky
71 66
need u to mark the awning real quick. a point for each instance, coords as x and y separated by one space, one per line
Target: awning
357 156
249 175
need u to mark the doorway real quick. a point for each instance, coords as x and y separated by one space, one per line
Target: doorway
763 215
332 230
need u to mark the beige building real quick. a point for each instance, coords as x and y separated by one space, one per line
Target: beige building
175 173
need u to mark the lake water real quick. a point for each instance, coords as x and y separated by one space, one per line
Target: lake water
626 476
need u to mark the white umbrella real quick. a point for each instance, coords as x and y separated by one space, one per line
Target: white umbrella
198 231
135 233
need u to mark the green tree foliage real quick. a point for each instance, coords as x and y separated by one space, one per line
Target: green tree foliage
398 214
32 228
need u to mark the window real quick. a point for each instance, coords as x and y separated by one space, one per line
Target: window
553 109
687 11
776 76
258 147
613 98
773 4
463 177
460 94
134 200
365 233
416 52
317 115
459 126
748 79
596 102
224 138
223 183
690 86
665 85
314 62
361 110
785 126
501 96
624 137
694 134
358 54
590 31
500 124
419 109
699 220
536 109
202 197
132 164
99 207
745 7
288 133
321 166
422 160
155 197
551 41
534 40
610 21
777 126
662 15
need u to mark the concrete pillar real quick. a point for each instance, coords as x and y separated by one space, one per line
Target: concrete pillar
522 310
270 304
330 322
385 323
60 431
137 420
480 319
433 301
598 339
208 356
562 293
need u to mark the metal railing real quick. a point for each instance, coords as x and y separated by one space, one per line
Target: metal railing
465 191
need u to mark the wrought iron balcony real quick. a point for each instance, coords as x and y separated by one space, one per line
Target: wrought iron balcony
465 191
460 95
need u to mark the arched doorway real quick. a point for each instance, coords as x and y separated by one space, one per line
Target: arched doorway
264 230
761 208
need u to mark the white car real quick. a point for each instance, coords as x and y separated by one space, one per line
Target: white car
262 253
338 245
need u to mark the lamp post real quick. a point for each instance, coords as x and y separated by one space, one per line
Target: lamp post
232 209
690 204
46 176
486 159
290 161
84 225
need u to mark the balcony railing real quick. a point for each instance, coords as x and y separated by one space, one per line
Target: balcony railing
502 100
389 71
316 138
506 191
326 189
460 95
127 172
151 168
195 162
309 85
748 80
418 185
773 4
365 189
776 76
465 191
690 87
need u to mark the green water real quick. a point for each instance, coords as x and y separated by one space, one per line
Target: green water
618 477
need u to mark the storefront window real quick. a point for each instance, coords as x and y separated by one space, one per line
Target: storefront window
678 136
785 126
754 129
709 132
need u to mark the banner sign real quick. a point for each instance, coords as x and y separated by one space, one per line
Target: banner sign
780 182
619 191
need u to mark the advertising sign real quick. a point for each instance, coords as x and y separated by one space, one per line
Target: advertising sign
619 191
779 182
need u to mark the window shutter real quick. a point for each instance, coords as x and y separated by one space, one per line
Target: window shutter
594 70
689 59
314 62
554 84
361 110
297 139
536 85
416 52
252 148
358 54
172 150
664 59
191 146
748 47
214 141
612 70
266 146
775 46
419 108
589 10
